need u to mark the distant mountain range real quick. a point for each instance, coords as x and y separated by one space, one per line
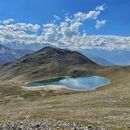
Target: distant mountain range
91 42
49 62
100 60
108 57
25 46
102 56
9 55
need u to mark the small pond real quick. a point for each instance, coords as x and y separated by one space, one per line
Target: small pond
74 83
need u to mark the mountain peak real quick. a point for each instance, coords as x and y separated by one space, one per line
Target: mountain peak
58 54
50 61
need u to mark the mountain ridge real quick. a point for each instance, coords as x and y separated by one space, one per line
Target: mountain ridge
116 57
49 62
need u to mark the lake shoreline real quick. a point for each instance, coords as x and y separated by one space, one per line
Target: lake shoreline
58 87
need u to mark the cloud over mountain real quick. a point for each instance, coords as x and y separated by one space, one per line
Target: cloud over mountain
61 33
6 21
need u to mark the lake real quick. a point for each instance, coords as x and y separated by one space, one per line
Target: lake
74 83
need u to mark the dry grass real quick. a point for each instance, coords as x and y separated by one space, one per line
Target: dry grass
108 106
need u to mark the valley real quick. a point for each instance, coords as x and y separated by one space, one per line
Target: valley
64 65
105 107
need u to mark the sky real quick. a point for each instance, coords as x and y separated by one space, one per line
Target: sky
102 24
116 15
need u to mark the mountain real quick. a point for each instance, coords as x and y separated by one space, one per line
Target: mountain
104 50
111 57
9 55
99 60
48 62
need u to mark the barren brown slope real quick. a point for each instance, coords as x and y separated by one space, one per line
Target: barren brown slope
106 107
48 62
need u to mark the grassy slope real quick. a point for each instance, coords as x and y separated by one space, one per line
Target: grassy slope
108 106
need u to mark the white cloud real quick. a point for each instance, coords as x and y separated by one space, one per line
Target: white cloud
50 32
100 23
56 18
93 14
19 32
21 27
84 16
101 8
6 21
62 33
80 16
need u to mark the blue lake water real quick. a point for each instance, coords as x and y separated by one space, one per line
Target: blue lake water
76 83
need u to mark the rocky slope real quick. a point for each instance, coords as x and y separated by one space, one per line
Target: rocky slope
106 107
49 62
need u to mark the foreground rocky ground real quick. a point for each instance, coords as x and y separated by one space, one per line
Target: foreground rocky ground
107 107
46 124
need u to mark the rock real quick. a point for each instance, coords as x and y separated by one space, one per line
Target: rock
45 124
